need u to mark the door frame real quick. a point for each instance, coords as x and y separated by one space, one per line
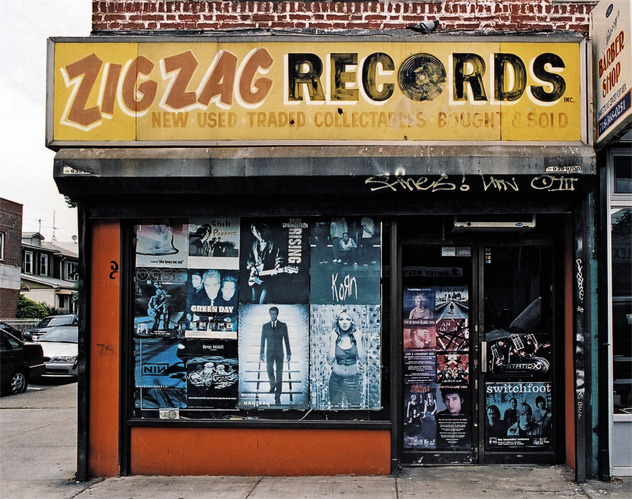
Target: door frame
478 242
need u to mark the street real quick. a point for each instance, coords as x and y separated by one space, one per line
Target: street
38 459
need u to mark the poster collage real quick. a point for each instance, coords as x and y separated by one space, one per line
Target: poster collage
436 368
257 314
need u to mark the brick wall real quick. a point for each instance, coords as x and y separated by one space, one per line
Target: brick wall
485 16
11 226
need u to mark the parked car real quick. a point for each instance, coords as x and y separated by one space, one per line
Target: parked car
11 330
60 345
20 362
47 323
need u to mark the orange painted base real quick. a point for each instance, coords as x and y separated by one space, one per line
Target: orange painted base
277 452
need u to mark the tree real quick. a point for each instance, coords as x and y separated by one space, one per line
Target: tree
28 309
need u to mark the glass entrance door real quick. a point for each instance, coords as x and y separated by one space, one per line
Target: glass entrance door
517 337
478 337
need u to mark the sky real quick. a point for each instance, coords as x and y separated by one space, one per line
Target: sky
26 165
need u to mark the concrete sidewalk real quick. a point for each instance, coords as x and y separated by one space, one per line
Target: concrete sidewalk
38 459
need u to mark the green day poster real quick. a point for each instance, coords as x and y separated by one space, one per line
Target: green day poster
345 261
345 357
518 414
161 243
274 261
274 356
212 307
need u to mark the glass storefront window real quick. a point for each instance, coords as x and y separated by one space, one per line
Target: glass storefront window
240 316
621 219
622 175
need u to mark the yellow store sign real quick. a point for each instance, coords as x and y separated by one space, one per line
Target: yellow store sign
311 91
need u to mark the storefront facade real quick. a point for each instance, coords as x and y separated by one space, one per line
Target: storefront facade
326 255
612 26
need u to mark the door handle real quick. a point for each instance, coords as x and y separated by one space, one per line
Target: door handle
483 356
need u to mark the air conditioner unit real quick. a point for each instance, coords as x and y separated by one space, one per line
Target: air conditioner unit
493 223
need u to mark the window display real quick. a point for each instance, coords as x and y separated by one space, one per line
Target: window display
256 314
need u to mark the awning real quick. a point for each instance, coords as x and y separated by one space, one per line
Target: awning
225 170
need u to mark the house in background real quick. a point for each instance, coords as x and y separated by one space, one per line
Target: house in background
49 271
10 231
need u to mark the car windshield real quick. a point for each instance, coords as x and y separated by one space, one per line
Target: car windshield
44 322
61 335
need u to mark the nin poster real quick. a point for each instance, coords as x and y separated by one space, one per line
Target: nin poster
518 415
163 243
160 374
345 261
212 307
214 243
273 353
345 357
159 302
274 261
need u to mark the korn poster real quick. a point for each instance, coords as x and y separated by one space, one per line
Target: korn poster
162 244
274 261
273 356
518 415
160 301
345 357
345 261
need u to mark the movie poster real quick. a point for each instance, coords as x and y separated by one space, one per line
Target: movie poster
212 373
420 411
274 261
212 307
345 261
163 244
453 418
518 415
159 374
521 349
453 368
419 306
274 356
420 366
214 243
160 302
452 309
345 357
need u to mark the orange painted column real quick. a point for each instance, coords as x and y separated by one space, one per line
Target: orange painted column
251 451
103 364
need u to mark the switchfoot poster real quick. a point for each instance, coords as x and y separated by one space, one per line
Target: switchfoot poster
214 243
162 244
212 308
274 261
160 301
345 261
345 357
274 356
518 415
